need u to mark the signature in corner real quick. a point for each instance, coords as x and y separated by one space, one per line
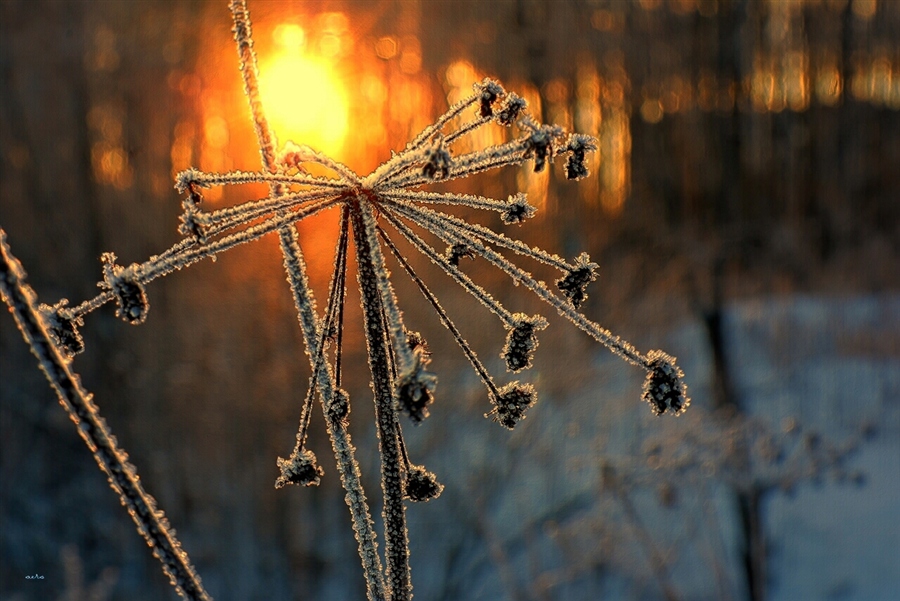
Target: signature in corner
34 577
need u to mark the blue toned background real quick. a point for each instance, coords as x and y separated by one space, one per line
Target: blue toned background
743 211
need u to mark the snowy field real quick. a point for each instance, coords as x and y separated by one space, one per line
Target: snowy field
608 526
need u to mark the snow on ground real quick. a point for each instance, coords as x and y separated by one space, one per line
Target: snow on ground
566 507
834 365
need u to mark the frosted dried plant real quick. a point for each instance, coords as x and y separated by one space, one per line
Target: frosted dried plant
398 357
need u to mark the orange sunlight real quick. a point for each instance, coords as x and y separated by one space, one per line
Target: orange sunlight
305 100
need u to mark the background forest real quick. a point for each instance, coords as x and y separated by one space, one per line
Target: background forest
743 209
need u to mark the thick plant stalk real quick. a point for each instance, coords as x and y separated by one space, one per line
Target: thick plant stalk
78 403
394 513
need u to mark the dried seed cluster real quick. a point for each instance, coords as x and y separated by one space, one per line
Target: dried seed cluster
301 469
398 358
663 388
511 402
521 341
422 485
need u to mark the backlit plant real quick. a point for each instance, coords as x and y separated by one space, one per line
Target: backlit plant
389 198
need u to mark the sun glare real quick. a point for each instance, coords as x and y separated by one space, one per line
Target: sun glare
305 101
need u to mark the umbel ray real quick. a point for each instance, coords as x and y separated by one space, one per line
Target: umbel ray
388 203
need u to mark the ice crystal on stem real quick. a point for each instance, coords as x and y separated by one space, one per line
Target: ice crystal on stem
390 197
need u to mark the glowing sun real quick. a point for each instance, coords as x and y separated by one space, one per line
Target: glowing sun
305 101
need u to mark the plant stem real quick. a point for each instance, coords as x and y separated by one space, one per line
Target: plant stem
394 515
78 403
295 267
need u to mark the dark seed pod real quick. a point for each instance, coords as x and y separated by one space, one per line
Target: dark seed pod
578 145
415 391
517 210
130 294
490 92
457 251
511 109
521 341
575 282
663 388
63 328
513 401
301 469
339 407
422 485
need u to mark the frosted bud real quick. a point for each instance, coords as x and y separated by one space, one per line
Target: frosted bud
490 92
418 345
511 403
539 145
300 469
457 251
187 179
575 282
124 283
521 341
437 162
511 109
578 145
421 485
663 388
63 328
339 407
517 209
194 223
415 390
